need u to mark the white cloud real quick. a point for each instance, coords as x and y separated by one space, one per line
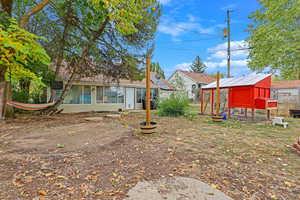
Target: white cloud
239 50
223 63
183 66
164 2
175 29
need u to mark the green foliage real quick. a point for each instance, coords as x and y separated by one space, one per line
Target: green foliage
176 105
178 82
155 67
19 50
275 36
198 66
125 13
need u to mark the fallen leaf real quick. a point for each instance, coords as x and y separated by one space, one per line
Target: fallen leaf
42 192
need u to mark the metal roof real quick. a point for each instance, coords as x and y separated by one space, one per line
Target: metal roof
251 79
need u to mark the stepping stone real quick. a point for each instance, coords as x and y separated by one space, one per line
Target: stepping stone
94 118
179 188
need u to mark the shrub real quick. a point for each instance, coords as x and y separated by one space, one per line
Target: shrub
176 105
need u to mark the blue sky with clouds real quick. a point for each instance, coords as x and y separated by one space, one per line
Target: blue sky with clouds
195 27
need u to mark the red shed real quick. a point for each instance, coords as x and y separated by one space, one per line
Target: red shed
252 91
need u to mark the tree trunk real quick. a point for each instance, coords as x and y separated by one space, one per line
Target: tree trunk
7 6
25 18
2 73
25 87
5 95
53 109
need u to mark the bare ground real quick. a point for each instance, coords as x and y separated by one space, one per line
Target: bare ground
67 157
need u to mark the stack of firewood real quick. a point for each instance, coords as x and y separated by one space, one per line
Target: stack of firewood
297 146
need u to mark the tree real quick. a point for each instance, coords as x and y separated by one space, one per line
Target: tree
90 36
155 67
198 66
274 38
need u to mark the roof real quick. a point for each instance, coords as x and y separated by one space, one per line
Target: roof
251 79
286 84
199 77
161 83
100 79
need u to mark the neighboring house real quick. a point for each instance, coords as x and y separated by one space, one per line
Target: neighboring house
191 82
287 91
98 94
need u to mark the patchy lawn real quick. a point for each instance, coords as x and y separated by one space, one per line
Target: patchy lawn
67 157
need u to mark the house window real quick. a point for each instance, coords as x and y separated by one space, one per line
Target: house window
141 94
79 95
99 94
113 95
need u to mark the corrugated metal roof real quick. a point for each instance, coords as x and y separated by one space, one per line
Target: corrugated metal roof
251 79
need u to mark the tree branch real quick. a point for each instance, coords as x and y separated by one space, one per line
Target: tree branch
25 18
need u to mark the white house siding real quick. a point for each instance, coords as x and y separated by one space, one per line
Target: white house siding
187 82
286 95
97 107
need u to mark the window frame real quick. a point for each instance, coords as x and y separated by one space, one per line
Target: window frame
82 88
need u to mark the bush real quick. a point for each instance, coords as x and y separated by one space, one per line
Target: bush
176 105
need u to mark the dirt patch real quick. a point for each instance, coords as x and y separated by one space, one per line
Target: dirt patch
67 157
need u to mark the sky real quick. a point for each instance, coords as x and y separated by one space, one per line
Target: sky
190 28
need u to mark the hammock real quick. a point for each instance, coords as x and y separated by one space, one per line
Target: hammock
26 106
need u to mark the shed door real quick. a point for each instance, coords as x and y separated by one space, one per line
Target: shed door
129 98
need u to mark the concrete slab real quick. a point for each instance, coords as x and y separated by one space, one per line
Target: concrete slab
175 188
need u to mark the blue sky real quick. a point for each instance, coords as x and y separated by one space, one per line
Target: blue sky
189 28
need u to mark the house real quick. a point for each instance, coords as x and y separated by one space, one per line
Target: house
286 91
98 94
191 82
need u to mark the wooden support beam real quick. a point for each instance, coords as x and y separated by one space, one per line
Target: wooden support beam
202 101
148 95
269 114
212 102
253 114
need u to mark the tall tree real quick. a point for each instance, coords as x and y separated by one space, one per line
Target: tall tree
90 36
198 66
155 67
274 38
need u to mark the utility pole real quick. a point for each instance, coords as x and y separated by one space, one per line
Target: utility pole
229 43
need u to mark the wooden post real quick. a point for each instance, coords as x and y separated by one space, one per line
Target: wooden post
148 90
268 114
246 113
212 102
253 113
202 101
218 94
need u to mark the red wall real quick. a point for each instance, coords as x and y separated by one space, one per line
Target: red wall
250 96
241 97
